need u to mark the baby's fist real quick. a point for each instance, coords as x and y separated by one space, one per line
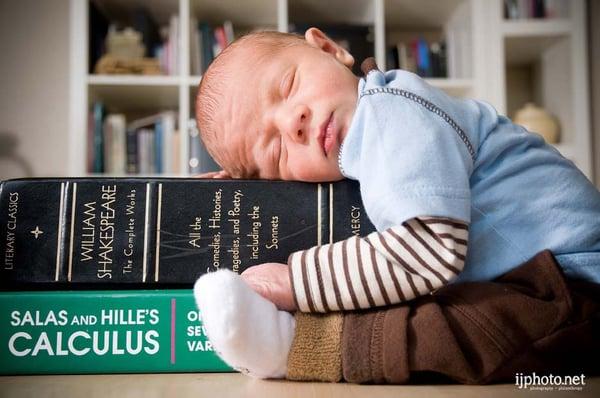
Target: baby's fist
272 281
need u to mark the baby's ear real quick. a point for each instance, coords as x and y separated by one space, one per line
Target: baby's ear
316 38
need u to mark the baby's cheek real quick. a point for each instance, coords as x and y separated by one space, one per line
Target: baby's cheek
322 172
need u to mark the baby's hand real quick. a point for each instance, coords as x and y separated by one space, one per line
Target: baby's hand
272 281
213 174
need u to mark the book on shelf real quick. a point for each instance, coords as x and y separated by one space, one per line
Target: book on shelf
535 9
120 331
168 52
196 62
147 145
427 59
98 112
115 143
126 232
206 42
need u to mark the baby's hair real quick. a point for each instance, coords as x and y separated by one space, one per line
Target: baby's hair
212 90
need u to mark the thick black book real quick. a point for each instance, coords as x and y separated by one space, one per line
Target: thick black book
134 232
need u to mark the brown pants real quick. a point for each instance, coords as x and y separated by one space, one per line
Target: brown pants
530 319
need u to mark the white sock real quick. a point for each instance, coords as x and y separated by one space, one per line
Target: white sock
247 331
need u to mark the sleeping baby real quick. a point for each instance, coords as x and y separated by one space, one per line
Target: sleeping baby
460 196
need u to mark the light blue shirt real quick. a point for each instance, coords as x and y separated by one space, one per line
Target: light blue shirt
418 152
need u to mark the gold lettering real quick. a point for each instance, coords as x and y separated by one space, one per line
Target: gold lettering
274 244
355 220
88 231
11 226
195 234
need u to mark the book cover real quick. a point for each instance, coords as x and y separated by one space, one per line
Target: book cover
134 232
135 331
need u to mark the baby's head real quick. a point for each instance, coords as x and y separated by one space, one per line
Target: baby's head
277 106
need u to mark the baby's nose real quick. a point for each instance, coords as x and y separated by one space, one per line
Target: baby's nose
298 123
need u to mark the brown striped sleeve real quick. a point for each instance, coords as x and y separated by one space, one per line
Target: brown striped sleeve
383 268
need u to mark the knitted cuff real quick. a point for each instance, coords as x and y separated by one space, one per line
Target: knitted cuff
316 353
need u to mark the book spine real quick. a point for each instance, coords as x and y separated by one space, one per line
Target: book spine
167 122
140 232
67 332
98 111
132 151
158 146
207 45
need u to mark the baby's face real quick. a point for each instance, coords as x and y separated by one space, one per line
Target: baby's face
286 116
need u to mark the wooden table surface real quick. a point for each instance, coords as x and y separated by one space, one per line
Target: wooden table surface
237 385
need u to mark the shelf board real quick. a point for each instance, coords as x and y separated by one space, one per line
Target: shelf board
523 51
536 28
132 98
133 80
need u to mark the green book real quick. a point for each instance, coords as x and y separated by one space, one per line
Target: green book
127 331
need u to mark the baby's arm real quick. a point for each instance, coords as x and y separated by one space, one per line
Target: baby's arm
396 265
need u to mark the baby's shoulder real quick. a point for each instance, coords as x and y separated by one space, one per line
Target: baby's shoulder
391 81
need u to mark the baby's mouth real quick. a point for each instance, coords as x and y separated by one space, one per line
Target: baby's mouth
328 134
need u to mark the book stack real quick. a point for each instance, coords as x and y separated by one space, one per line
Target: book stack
527 9
96 274
427 59
147 145
206 42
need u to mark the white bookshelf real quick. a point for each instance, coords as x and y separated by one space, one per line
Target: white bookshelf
482 47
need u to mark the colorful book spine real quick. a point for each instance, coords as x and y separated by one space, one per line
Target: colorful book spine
136 331
130 232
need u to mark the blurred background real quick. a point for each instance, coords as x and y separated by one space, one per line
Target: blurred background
107 87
